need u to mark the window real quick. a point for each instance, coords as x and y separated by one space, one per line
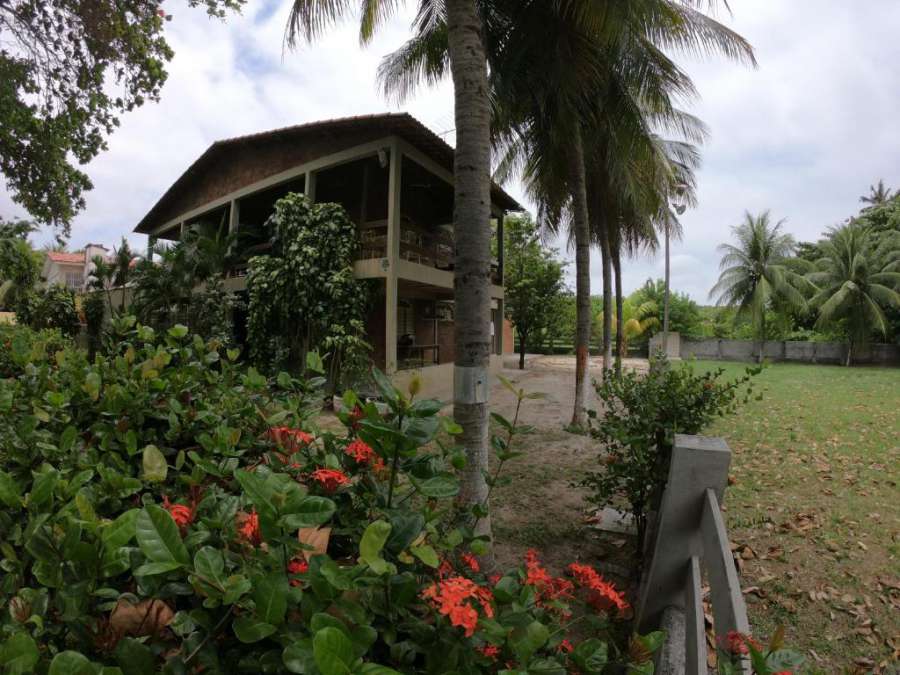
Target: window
74 280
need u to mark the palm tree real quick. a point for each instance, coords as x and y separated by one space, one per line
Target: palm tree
123 264
102 278
854 284
878 194
471 207
754 273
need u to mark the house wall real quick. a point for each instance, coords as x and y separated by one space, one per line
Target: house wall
782 350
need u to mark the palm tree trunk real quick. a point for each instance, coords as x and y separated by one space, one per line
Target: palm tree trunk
606 259
581 227
620 302
666 296
471 222
522 351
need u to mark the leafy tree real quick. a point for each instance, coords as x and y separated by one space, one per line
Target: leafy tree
52 307
855 284
20 266
304 297
533 279
68 70
684 313
755 274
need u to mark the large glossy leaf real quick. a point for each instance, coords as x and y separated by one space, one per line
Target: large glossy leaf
438 487
10 492
249 629
158 536
311 511
270 596
333 652
258 490
70 663
19 654
526 640
154 464
298 657
372 543
135 657
210 563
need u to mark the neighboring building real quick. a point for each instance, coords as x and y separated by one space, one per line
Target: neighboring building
71 270
395 179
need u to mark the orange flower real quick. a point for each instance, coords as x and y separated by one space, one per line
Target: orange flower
330 479
290 440
602 594
490 651
363 453
248 527
454 598
736 643
547 586
470 561
297 566
565 646
181 514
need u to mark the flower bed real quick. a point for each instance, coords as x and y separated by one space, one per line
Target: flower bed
165 509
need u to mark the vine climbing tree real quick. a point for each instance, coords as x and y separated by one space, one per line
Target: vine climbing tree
303 296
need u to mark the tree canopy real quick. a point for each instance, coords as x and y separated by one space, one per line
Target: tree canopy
68 70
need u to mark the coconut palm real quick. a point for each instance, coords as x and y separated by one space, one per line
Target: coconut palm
467 63
878 194
754 273
855 285
563 72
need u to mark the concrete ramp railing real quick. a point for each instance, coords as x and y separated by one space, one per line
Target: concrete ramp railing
690 539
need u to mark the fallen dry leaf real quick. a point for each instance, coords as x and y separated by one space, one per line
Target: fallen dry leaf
148 617
317 538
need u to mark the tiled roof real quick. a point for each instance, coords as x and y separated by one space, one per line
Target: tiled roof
56 256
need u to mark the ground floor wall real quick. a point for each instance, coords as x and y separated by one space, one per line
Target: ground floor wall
437 381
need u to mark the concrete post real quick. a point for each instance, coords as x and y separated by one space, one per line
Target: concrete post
234 215
393 256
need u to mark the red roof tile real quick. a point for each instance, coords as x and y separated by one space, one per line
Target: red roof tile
55 256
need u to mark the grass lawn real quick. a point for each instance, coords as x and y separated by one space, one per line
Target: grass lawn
815 509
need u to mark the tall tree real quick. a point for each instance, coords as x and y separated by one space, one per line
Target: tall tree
533 281
878 194
754 273
855 283
68 70
467 61
20 266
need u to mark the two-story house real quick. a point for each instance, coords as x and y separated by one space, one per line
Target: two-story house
394 177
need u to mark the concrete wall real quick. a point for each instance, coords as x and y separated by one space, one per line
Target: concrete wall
783 350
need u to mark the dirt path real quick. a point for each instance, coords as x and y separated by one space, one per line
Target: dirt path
542 506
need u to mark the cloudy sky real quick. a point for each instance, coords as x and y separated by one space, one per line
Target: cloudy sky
803 135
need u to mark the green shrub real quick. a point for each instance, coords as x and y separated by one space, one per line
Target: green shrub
94 308
643 414
51 307
21 345
166 509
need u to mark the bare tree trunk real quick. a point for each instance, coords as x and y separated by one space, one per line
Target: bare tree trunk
620 306
581 227
521 351
471 222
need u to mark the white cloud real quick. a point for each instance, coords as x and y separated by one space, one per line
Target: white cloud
804 135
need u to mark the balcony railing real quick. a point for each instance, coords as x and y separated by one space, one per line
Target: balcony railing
690 539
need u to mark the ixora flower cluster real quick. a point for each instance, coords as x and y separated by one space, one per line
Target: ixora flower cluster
167 509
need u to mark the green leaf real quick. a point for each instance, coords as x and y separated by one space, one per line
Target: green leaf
158 536
67 438
92 384
154 462
591 656
386 387
526 640
426 554
153 568
375 669
43 485
70 663
178 331
10 492
270 595
333 652
249 629
311 511
258 490
546 667
120 531
298 657
19 654
652 641
438 487
372 543
135 657
210 563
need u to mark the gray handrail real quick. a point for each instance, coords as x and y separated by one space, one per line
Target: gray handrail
690 538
